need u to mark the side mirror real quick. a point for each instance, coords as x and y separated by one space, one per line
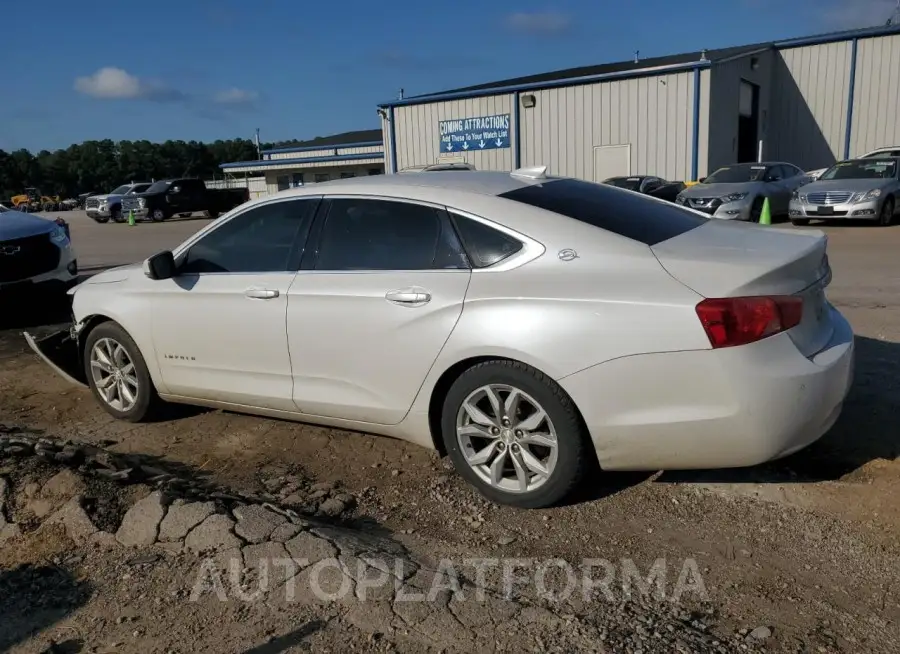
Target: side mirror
160 266
701 180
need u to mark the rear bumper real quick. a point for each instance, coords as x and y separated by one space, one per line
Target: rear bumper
725 408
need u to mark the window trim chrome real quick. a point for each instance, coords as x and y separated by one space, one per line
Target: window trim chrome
531 249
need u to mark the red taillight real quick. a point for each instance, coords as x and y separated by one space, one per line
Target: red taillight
741 320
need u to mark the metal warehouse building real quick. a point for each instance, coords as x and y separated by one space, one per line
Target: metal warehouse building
810 101
350 154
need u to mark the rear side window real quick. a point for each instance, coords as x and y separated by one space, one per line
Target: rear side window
626 214
485 245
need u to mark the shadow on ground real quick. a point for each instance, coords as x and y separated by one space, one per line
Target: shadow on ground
294 639
34 598
866 430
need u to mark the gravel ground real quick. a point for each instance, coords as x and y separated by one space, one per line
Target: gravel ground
802 552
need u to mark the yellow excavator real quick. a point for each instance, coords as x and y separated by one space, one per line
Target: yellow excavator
33 200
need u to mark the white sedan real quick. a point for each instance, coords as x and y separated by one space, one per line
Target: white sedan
530 327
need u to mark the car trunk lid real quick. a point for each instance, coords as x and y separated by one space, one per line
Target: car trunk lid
725 259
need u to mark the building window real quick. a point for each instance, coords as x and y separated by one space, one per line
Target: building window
347 175
321 177
284 182
297 180
375 171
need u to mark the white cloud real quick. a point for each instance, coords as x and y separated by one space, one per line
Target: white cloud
851 14
548 23
111 83
236 96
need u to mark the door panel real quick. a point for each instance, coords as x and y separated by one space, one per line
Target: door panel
214 342
356 354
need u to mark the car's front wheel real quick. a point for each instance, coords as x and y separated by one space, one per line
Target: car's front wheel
514 434
118 375
886 217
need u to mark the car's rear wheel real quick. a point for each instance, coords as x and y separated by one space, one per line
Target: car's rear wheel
886 217
118 375
514 434
158 215
116 214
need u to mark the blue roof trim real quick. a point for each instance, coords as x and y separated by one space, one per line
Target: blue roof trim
363 144
267 163
849 35
553 84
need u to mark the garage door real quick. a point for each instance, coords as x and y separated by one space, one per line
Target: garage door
611 161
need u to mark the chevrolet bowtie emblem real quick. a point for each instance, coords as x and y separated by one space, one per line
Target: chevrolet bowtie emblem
9 249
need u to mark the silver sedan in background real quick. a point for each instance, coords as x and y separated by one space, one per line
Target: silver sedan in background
858 189
737 192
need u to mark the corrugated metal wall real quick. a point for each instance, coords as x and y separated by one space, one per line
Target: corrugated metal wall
724 107
651 114
808 112
418 137
876 99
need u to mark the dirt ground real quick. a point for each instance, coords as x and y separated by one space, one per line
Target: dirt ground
807 546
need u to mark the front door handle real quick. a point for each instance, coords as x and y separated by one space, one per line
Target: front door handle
408 297
261 293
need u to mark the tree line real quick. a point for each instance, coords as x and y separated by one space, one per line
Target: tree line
100 166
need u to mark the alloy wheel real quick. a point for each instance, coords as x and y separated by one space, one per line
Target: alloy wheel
114 374
507 438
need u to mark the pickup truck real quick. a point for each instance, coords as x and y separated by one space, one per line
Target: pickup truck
183 197
103 207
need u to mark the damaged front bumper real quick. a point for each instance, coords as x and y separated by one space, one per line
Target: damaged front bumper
61 351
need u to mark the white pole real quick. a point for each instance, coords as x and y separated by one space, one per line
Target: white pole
760 152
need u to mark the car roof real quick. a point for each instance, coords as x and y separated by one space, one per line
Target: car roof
474 181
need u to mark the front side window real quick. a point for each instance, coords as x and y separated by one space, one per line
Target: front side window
363 234
262 239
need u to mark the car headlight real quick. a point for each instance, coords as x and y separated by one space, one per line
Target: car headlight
679 198
59 235
732 197
797 196
142 202
874 194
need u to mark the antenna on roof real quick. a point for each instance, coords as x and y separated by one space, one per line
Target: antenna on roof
531 172
637 55
703 55
401 94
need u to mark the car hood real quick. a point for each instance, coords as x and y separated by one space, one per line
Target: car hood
718 190
824 185
117 274
15 224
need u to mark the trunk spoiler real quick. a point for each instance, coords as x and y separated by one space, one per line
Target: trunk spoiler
60 351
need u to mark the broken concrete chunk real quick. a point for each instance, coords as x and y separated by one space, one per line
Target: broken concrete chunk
307 549
182 518
75 520
65 485
140 525
256 523
211 535
284 532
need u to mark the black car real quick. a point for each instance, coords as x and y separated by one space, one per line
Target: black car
648 185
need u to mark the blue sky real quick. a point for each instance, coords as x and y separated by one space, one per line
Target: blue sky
208 69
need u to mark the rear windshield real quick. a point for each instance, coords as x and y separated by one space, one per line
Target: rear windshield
630 215
868 169
630 183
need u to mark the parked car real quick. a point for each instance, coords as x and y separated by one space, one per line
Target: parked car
526 325
737 192
103 207
858 189
648 185
183 196
889 151
35 253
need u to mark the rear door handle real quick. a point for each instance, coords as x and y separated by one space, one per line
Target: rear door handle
408 296
261 293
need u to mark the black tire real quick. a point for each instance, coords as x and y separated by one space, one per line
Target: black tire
211 214
756 209
886 217
800 222
147 402
158 215
573 441
116 214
